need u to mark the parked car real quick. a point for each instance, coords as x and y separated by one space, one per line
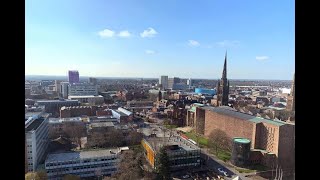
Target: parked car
186 176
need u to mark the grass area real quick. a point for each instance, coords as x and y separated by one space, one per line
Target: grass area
253 168
224 155
241 170
170 126
259 167
201 140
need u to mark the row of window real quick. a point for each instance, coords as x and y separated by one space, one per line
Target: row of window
82 167
78 162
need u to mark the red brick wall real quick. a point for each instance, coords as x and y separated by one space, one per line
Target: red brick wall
65 113
101 112
287 146
234 127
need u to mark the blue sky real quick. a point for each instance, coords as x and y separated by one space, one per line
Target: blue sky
149 38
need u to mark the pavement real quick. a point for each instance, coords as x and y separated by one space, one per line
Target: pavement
215 163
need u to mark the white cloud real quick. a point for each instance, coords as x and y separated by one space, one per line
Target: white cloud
193 43
124 33
228 43
106 33
262 58
150 32
150 51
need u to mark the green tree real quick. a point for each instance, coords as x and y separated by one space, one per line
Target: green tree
163 165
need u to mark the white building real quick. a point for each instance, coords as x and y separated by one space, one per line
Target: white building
164 82
91 99
64 88
36 134
189 82
82 89
84 164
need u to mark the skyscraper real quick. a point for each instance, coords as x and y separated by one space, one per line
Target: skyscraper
73 76
93 80
64 88
173 81
164 82
223 87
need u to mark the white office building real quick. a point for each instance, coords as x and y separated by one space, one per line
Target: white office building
82 90
36 142
84 163
164 82
92 100
64 88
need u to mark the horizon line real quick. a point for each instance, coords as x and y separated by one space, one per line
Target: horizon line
157 77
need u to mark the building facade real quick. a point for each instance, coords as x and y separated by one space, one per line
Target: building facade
53 106
73 76
36 140
83 163
64 89
82 90
182 153
173 81
291 97
272 136
93 81
88 99
164 82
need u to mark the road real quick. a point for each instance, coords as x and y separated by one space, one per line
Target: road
214 163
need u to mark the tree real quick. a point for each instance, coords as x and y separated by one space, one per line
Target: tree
218 139
163 166
75 131
40 175
129 166
134 138
71 177
32 176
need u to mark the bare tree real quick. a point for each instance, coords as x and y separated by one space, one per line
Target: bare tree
40 175
218 139
70 177
129 166
133 138
110 138
75 131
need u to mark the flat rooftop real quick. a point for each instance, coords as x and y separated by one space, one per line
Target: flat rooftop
30 114
225 110
102 124
87 96
57 101
34 124
157 142
81 155
121 113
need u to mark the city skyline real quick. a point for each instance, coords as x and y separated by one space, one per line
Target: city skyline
150 39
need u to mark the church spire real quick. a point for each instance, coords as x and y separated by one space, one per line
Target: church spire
224 73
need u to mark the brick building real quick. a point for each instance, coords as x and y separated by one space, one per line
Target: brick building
75 111
291 97
272 138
